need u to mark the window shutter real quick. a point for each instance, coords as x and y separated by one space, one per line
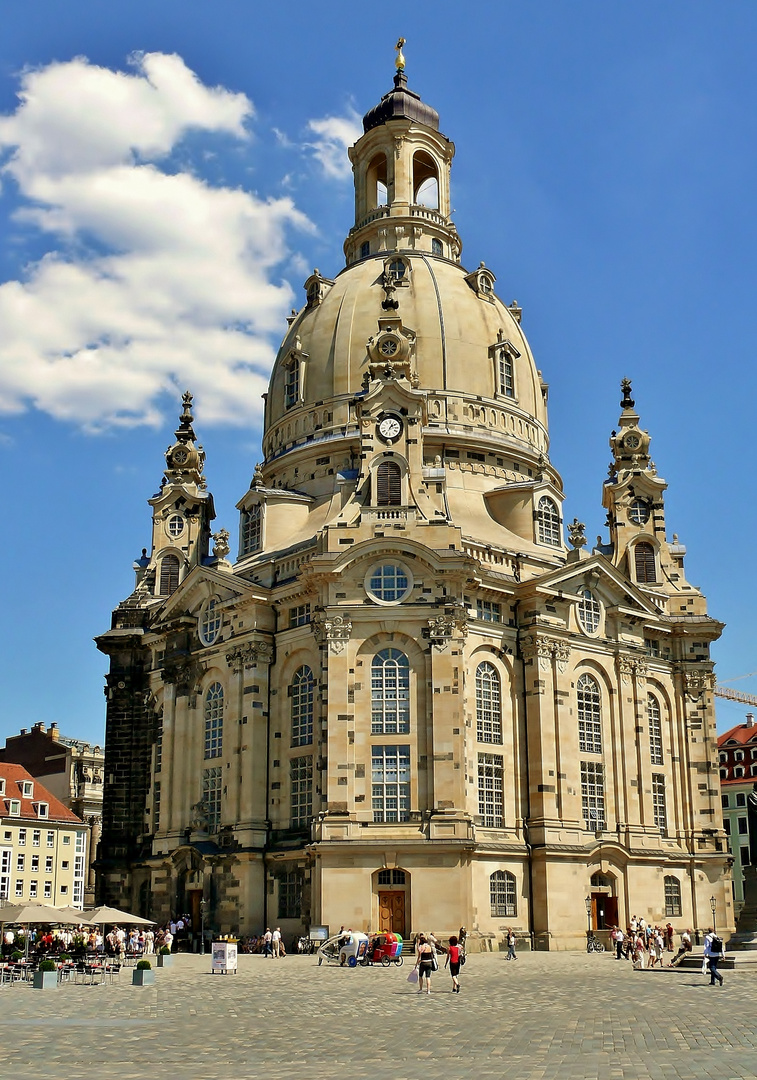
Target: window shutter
645 563
388 484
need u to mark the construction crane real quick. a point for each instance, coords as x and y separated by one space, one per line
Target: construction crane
736 695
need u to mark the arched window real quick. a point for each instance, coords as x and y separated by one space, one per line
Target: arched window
292 383
548 519
724 774
655 729
505 375
488 704
644 559
388 484
396 270
672 897
390 693
169 574
738 772
502 893
214 720
589 715
425 181
589 611
375 183
252 529
302 693
436 247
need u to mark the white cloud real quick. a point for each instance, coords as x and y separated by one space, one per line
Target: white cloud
155 280
333 135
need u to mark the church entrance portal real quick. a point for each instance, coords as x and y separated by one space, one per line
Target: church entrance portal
392 888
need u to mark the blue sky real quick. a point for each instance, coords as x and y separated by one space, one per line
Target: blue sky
173 171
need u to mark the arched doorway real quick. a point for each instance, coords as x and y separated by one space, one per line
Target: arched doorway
393 891
604 902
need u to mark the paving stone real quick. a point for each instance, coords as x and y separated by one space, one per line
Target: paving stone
551 1015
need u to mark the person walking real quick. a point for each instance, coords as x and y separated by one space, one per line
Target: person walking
267 943
713 951
617 936
424 962
510 945
453 960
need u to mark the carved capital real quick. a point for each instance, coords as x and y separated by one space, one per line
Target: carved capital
536 646
630 667
184 675
249 654
697 682
452 624
332 630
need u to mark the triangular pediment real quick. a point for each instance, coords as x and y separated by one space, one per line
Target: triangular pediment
199 585
597 573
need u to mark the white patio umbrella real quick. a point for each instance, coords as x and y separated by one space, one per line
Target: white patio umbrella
31 914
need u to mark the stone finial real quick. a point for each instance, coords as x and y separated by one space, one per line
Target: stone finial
576 535
257 476
627 402
221 544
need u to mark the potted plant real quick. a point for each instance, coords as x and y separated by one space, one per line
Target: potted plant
143 975
46 976
164 957
16 956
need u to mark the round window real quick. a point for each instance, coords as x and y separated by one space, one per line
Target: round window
389 346
210 621
175 525
638 512
389 583
589 612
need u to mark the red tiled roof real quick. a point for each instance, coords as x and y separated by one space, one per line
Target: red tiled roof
741 734
13 776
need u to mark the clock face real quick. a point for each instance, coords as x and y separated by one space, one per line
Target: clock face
389 428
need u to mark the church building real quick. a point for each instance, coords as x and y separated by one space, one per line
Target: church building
409 704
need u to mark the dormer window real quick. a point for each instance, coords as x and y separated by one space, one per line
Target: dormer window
482 282
14 808
548 522
43 810
27 789
292 383
2 785
397 271
251 538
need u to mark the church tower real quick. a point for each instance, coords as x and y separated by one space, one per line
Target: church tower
409 702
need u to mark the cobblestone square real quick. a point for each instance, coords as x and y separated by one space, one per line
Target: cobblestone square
545 1016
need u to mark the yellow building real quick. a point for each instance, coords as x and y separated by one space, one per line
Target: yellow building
409 704
43 844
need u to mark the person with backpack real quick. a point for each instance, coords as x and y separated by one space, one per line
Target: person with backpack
713 952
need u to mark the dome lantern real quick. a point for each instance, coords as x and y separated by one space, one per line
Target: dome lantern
401 165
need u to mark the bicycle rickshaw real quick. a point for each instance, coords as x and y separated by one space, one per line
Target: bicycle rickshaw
344 949
384 949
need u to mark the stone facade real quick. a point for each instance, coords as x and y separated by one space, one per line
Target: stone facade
73 771
737 752
43 844
409 704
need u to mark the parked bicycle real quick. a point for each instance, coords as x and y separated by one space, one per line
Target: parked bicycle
593 944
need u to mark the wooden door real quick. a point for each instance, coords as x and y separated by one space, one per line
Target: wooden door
392 912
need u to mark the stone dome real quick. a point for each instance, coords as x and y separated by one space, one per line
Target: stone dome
457 322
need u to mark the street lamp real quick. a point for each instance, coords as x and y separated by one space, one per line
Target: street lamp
713 905
203 905
587 901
